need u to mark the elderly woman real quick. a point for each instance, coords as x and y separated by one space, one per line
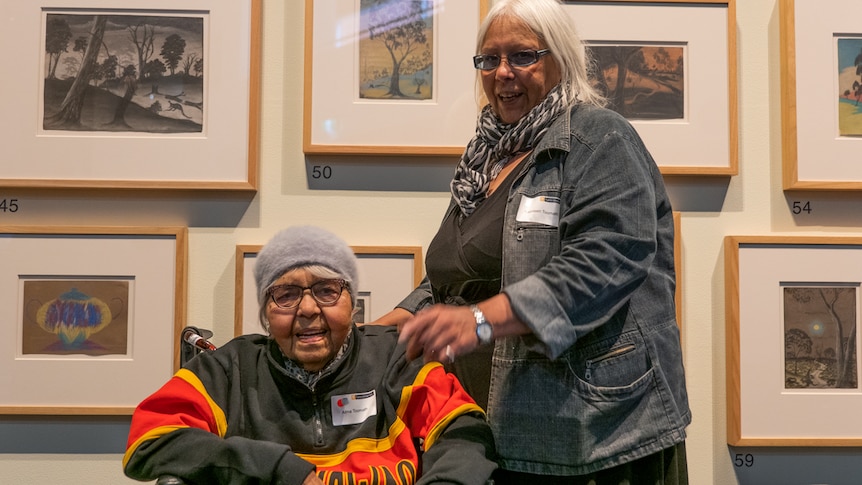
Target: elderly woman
316 401
551 278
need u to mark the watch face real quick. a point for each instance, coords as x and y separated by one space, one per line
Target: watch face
485 332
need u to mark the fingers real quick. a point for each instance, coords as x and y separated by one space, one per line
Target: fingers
439 333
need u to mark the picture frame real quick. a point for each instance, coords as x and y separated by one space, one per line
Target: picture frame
71 342
336 116
813 106
704 141
387 274
789 301
119 118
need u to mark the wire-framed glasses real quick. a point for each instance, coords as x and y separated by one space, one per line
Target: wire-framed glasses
487 62
324 292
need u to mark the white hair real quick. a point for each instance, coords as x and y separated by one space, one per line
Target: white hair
556 29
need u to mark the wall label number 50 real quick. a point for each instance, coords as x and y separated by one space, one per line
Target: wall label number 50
321 172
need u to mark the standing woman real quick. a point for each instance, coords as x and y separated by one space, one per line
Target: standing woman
550 282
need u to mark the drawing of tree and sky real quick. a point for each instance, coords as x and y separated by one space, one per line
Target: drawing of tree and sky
396 49
820 337
653 79
115 73
850 86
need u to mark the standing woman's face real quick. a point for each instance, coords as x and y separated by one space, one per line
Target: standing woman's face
310 333
514 91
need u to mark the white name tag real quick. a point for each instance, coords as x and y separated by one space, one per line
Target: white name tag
541 210
353 408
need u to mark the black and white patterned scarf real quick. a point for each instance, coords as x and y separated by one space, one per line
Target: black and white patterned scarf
496 144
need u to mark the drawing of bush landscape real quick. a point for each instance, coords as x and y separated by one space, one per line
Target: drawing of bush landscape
820 337
116 73
850 86
641 81
396 49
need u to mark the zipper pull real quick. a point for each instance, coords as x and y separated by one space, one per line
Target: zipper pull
520 235
588 373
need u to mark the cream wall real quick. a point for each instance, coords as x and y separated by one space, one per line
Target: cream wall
400 204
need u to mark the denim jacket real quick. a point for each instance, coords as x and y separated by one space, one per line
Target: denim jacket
600 380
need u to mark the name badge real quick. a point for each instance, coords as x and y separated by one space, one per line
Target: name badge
541 210
353 408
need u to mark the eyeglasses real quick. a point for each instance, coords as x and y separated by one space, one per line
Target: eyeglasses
488 62
325 293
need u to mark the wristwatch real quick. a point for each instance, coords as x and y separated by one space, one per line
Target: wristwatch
483 328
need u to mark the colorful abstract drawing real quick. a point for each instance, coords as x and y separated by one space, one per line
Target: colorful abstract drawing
120 73
64 317
849 86
820 337
644 82
396 49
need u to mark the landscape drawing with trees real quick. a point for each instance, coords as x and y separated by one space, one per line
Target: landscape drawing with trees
396 49
106 72
850 86
645 82
820 332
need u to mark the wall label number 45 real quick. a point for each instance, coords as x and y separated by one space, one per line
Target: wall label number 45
8 205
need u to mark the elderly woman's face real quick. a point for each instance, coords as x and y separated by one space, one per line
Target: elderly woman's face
309 333
513 92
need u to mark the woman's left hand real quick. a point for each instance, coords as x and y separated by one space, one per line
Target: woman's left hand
440 332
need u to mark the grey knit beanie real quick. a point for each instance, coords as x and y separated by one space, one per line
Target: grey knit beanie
302 246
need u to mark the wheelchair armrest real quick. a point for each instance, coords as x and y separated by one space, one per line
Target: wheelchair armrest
169 480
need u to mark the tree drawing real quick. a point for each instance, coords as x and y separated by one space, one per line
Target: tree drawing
797 344
70 109
57 38
172 51
142 36
402 27
822 319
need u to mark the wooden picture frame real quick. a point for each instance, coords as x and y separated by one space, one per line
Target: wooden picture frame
340 119
704 141
816 153
789 301
387 274
72 342
131 95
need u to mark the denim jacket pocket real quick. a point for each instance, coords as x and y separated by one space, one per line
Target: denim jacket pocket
603 403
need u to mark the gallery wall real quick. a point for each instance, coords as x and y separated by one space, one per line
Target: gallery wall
398 201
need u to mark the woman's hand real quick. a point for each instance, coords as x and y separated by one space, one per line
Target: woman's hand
443 332
440 332
312 479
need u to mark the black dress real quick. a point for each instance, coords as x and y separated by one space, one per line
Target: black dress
464 265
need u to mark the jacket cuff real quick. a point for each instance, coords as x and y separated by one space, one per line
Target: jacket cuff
292 470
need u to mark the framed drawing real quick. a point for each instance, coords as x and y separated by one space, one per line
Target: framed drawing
677 60
386 275
821 95
131 95
793 312
375 89
91 316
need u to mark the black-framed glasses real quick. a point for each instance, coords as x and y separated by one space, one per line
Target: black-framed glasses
487 62
324 292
